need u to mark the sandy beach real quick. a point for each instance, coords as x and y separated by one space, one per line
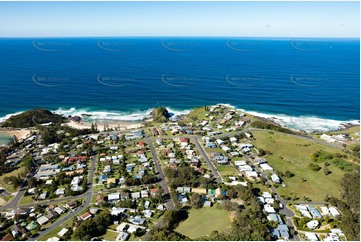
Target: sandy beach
19 133
112 124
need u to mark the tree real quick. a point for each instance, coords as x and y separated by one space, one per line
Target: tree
261 152
232 193
314 167
326 171
196 200
288 174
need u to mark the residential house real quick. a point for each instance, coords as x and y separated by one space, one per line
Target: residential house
32 225
334 212
275 217
107 169
116 211
43 196
60 191
281 232
269 209
59 210
153 191
63 231
124 196
325 211
113 197
18 230
266 167
135 195
137 220
144 194
86 216
102 178
71 205
42 220
260 160
313 224
51 214
199 190
311 236
315 213
275 179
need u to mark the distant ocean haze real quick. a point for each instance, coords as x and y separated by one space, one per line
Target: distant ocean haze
123 78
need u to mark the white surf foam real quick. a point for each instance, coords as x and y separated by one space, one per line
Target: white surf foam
306 123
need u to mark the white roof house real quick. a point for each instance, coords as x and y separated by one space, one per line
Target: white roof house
325 211
312 224
266 195
275 178
226 148
334 212
332 237
269 209
60 191
311 236
62 232
220 142
116 211
245 168
240 163
266 167
113 196
305 213
42 220
233 139
251 173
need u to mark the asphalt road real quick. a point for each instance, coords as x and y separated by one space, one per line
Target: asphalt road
163 183
14 202
206 158
285 210
88 196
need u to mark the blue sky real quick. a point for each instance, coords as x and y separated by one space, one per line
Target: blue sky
244 19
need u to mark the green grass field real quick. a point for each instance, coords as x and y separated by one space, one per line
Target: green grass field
227 170
202 222
110 235
293 154
196 115
26 200
54 232
9 187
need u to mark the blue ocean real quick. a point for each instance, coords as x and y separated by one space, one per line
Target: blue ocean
315 81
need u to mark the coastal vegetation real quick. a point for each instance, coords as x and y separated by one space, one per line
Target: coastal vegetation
166 228
94 227
32 118
260 124
160 114
249 223
349 204
295 155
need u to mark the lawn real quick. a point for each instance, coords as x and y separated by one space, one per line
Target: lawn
227 170
2 201
293 154
110 235
15 172
196 115
26 200
201 222
54 232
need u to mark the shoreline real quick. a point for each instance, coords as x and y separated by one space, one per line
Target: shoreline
118 125
19 133
121 121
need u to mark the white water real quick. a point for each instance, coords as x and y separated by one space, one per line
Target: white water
307 123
